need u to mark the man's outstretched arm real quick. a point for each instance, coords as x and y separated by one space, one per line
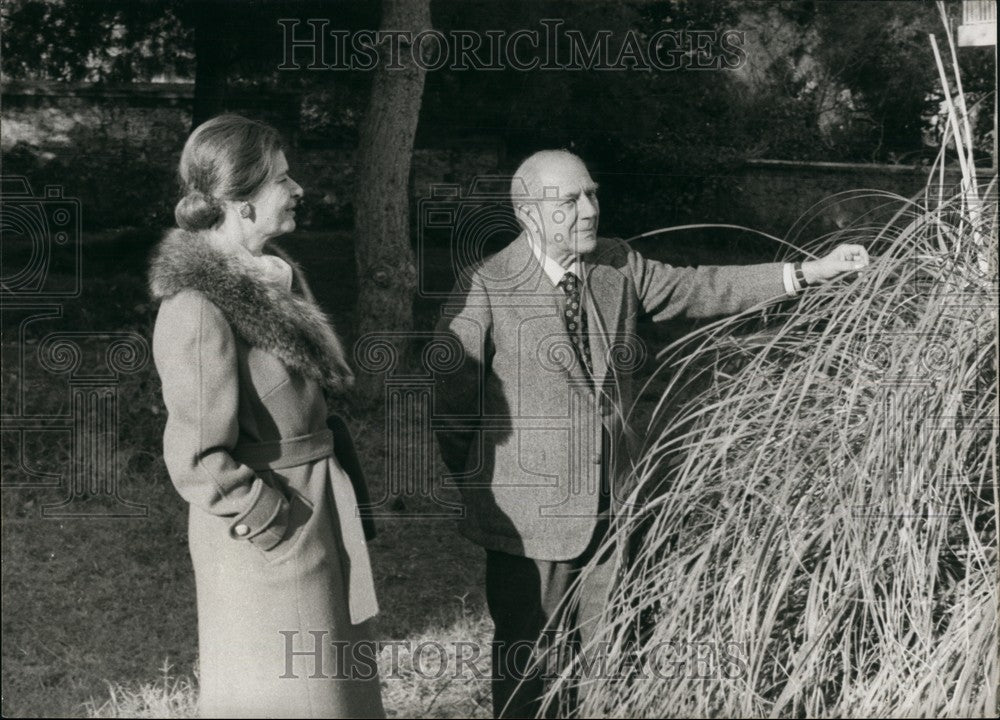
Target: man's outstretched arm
666 292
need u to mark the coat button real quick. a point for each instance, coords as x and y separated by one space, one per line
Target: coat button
241 530
596 459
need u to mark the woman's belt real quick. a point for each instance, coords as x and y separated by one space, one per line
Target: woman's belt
286 453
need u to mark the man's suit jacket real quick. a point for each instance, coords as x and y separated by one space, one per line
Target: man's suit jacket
520 426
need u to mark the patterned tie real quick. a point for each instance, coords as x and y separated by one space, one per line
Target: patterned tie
575 318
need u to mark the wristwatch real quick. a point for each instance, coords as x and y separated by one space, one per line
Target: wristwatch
800 276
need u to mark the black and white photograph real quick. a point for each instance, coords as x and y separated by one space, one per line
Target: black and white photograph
499 359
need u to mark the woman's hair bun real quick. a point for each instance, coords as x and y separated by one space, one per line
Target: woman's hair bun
198 211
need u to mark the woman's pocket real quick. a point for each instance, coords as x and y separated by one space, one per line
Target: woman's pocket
297 525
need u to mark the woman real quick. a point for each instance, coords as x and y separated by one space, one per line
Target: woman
284 584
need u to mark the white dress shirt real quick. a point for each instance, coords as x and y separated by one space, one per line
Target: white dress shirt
553 270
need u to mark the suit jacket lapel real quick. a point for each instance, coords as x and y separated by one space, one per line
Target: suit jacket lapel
605 287
538 304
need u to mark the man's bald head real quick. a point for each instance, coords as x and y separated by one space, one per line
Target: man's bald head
555 201
530 177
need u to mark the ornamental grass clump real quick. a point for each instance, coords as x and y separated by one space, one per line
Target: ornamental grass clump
815 529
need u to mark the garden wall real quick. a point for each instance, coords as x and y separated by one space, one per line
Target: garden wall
116 150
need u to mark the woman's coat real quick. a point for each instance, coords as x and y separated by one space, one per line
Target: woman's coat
283 576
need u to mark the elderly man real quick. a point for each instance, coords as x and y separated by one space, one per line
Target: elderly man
536 410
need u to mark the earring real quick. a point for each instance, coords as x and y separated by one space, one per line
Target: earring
246 212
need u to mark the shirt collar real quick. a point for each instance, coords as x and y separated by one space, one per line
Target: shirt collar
554 270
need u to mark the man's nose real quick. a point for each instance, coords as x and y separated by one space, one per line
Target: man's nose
586 208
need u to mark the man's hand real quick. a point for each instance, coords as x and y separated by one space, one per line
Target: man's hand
843 259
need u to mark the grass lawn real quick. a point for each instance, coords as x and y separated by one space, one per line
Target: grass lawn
90 603
99 614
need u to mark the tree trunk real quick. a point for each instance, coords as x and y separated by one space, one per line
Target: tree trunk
211 59
387 276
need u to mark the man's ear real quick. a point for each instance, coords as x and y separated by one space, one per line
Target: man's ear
520 212
523 211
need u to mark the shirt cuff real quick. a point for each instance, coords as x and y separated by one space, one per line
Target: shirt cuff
792 287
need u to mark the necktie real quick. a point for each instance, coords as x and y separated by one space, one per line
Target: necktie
575 318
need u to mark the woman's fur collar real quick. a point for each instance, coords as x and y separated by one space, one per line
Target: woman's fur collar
267 316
